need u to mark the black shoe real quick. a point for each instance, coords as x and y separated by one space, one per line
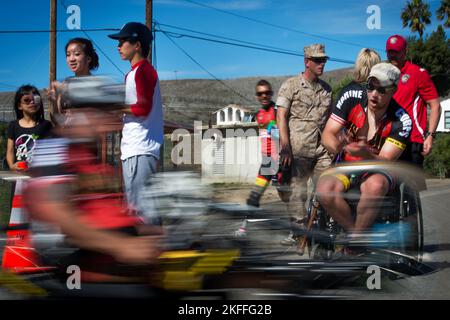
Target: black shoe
299 226
253 202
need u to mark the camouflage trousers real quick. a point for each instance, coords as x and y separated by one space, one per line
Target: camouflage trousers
303 170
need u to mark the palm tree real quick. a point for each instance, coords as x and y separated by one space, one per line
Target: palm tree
443 11
416 15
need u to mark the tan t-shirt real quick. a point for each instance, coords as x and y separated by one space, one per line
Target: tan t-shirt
309 106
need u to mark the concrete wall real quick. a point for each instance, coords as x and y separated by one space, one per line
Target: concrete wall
231 158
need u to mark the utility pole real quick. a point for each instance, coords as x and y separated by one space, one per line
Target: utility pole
148 22
52 40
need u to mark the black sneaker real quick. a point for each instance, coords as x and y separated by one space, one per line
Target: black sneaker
253 202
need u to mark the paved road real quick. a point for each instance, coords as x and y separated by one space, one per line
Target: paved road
436 285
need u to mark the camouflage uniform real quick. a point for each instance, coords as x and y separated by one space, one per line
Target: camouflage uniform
309 105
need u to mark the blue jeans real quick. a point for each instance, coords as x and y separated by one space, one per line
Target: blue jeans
137 171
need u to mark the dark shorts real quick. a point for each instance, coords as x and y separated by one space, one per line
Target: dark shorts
413 154
272 171
268 168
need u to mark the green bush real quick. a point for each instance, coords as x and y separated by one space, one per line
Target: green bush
433 54
337 88
438 162
5 202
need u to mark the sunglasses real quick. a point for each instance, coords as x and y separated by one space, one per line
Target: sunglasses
27 100
267 93
122 41
318 60
381 90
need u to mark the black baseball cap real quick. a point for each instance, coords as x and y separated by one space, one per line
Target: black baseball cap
134 30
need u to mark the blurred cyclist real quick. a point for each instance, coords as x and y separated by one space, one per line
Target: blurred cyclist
76 218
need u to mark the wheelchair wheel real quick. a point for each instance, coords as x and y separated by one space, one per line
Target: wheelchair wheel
321 252
319 248
411 214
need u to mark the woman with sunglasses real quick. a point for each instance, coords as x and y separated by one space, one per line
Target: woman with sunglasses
29 126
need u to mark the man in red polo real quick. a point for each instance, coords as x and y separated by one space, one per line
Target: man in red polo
415 91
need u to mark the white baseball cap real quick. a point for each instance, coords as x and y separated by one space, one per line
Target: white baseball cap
386 73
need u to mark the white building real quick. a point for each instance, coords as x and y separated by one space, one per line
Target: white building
232 114
231 153
231 150
444 122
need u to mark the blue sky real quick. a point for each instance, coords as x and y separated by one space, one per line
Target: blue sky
25 56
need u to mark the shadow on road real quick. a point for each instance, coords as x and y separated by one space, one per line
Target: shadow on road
431 248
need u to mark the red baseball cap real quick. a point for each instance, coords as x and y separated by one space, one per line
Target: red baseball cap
396 43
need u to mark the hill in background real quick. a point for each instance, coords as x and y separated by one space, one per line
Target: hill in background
195 99
189 100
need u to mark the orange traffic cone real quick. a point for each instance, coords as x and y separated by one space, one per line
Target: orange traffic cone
18 255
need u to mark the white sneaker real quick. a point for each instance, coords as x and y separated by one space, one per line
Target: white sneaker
241 232
289 240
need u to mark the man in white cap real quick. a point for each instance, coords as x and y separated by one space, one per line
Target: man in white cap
380 131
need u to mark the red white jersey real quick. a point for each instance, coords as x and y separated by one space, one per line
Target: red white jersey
264 118
143 131
415 88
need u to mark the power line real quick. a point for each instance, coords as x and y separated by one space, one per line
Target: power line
106 56
96 45
277 26
251 45
204 69
244 44
7 85
220 37
57 30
